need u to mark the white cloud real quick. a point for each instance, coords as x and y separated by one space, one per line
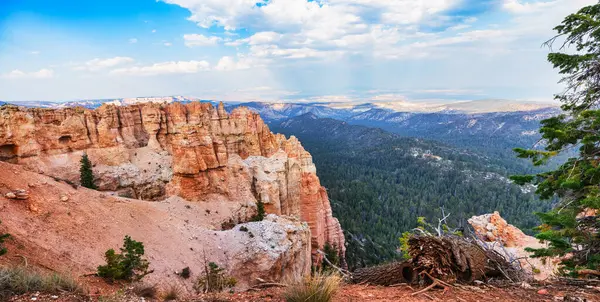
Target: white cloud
41 74
228 63
179 67
34 52
233 14
222 12
301 29
133 41
154 31
459 27
101 64
168 44
265 37
520 7
192 40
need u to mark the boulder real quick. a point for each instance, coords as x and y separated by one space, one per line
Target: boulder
277 249
511 242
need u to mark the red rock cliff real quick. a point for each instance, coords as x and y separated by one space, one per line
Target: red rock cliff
195 151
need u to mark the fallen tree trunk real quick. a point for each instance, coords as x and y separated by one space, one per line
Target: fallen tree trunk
386 275
445 258
453 258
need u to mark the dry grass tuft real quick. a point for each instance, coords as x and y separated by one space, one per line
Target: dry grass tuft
145 290
19 280
173 293
320 287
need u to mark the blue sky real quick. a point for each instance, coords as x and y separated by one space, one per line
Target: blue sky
393 50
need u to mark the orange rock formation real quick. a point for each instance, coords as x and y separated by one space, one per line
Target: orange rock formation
153 151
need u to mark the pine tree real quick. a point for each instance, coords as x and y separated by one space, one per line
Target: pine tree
86 173
2 238
577 182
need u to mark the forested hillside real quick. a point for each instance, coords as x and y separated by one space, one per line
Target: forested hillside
492 134
379 183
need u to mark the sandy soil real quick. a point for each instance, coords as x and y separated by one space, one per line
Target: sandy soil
71 236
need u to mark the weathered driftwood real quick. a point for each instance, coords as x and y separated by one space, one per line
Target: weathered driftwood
386 275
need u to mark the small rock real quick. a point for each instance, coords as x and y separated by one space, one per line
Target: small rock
33 208
525 285
64 198
543 291
21 194
10 195
54 297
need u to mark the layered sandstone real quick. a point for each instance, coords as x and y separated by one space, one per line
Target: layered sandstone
194 151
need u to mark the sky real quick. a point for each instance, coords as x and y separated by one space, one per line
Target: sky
279 50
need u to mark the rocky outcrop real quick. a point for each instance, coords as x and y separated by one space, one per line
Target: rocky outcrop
196 151
511 242
277 248
493 228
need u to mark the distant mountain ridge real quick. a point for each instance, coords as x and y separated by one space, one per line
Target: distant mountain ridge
285 109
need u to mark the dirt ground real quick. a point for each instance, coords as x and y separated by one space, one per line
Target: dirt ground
67 230
99 291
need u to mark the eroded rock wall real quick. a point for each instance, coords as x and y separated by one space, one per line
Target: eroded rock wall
195 151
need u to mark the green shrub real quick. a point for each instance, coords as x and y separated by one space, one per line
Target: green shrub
2 238
317 288
86 173
129 265
19 280
214 279
260 211
332 252
185 273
